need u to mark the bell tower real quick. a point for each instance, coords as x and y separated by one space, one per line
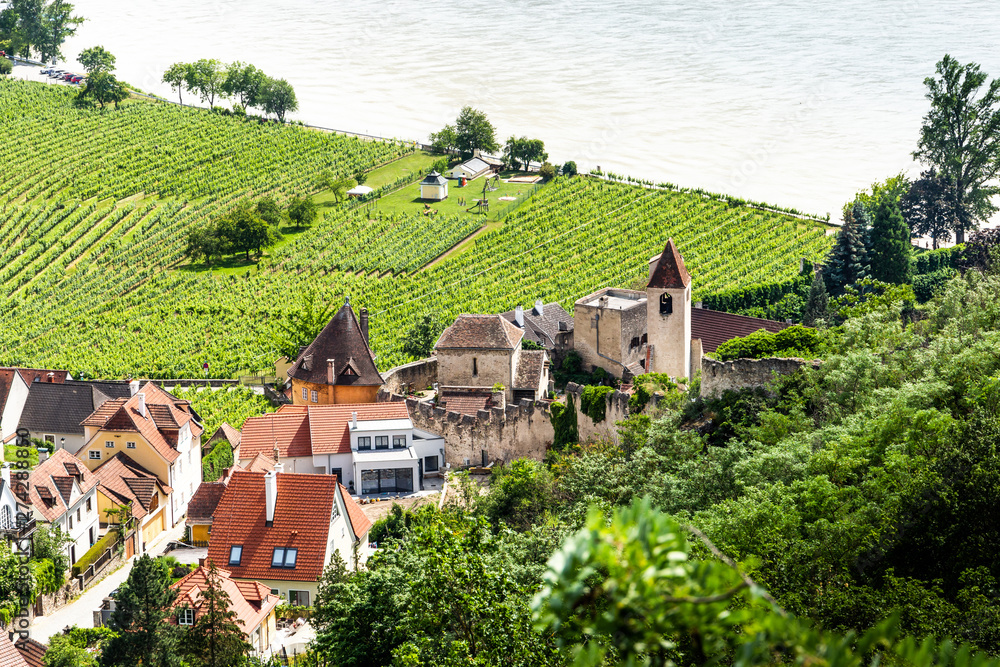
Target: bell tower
668 314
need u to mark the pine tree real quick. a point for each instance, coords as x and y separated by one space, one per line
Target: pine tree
848 260
141 608
816 306
891 247
216 639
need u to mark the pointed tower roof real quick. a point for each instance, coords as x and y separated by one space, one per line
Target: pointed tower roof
342 341
669 272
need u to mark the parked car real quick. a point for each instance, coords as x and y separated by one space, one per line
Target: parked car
77 79
55 72
68 76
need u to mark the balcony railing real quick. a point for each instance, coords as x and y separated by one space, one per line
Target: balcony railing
20 531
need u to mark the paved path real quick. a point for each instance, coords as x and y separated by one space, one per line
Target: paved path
80 612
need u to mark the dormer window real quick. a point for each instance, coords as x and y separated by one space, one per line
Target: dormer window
364 442
235 554
399 442
284 557
348 371
185 616
666 304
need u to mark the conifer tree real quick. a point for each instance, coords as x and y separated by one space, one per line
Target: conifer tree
816 306
141 608
216 639
848 260
890 256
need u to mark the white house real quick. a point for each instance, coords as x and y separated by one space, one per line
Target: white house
14 386
62 491
434 187
54 412
371 447
471 169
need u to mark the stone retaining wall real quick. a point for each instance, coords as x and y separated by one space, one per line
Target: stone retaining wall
721 376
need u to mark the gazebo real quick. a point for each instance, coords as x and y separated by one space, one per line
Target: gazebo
434 187
360 191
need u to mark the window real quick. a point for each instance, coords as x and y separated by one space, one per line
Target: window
475 367
284 557
71 522
92 536
129 445
274 591
666 304
314 396
339 472
95 454
305 394
235 554
298 598
381 442
392 480
399 442
186 617
364 442
109 444
89 504
78 510
49 439
431 463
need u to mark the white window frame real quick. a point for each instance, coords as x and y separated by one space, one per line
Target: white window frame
305 394
186 616
95 454
314 396
109 444
129 445
239 555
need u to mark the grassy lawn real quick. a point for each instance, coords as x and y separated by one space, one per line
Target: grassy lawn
10 454
411 165
408 199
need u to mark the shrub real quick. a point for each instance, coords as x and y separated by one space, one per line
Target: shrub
95 552
6 67
569 169
594 402
926 285
547 171
793 341
220 458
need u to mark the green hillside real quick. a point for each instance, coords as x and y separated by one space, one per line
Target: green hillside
94 207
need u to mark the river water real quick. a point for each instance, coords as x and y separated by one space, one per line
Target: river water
795 103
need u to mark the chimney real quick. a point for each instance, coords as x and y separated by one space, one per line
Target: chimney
698 304
519 316
270 494
354 420
43 454
539 307
201 562
363 322
51 377
142 405
276 453
133 387
330 376
279 467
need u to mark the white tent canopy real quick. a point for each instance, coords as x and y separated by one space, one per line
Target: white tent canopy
360 191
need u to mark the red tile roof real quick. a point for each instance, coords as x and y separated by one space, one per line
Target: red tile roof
466 402
251 601
32 651
124 481
714 328
260 463
42 375
670 272
164 416
481 332
360 523
50 482
9 655
315 429
229 434
302 514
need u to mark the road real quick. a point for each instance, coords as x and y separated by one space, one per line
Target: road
80 612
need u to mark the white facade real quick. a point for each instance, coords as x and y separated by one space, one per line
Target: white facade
16 398
81 521
342 538
71 442
185 473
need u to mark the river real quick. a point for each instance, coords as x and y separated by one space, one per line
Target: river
795 103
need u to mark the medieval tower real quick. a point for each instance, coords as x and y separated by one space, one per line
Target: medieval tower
668 314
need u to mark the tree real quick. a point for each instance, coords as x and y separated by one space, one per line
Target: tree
816 306
445 141
523 151
205 242
244 231
104 88
244 82
420 338
97 59
278 97
547 171
178 77
928 209
982 250
300 327
6 66
569 168
302 211
890 245
960 137
269 211
142 605
848 259
472 131
51 543
215 639
206 77
338 186
58 24
33 26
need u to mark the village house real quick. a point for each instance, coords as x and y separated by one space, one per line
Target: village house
338 366
201 509
14 386
478 353
545 324
31 650
434 187
122 481
252 602
370 447
471 169
54 412
63 492
11 525
283 529
159 432
10 655
659 330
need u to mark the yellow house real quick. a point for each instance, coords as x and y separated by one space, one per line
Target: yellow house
121 481
157 431
338 366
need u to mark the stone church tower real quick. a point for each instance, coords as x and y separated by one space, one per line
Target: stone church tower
668 314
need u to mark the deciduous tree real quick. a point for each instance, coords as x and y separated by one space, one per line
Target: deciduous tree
928 209
420 338
472 131
206 77
302 211
244 82
276 96
178 77
97 59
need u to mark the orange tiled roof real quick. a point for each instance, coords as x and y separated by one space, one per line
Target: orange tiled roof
315 429
260 463
125 481
303 509
51 482
32 651
251 601
9 655
205 500
360 523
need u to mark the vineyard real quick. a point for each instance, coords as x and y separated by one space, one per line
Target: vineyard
232 405
95 212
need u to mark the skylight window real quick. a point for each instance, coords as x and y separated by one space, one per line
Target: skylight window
284 557
235 554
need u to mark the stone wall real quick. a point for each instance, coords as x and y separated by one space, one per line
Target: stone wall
516 431
415 376
720 376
